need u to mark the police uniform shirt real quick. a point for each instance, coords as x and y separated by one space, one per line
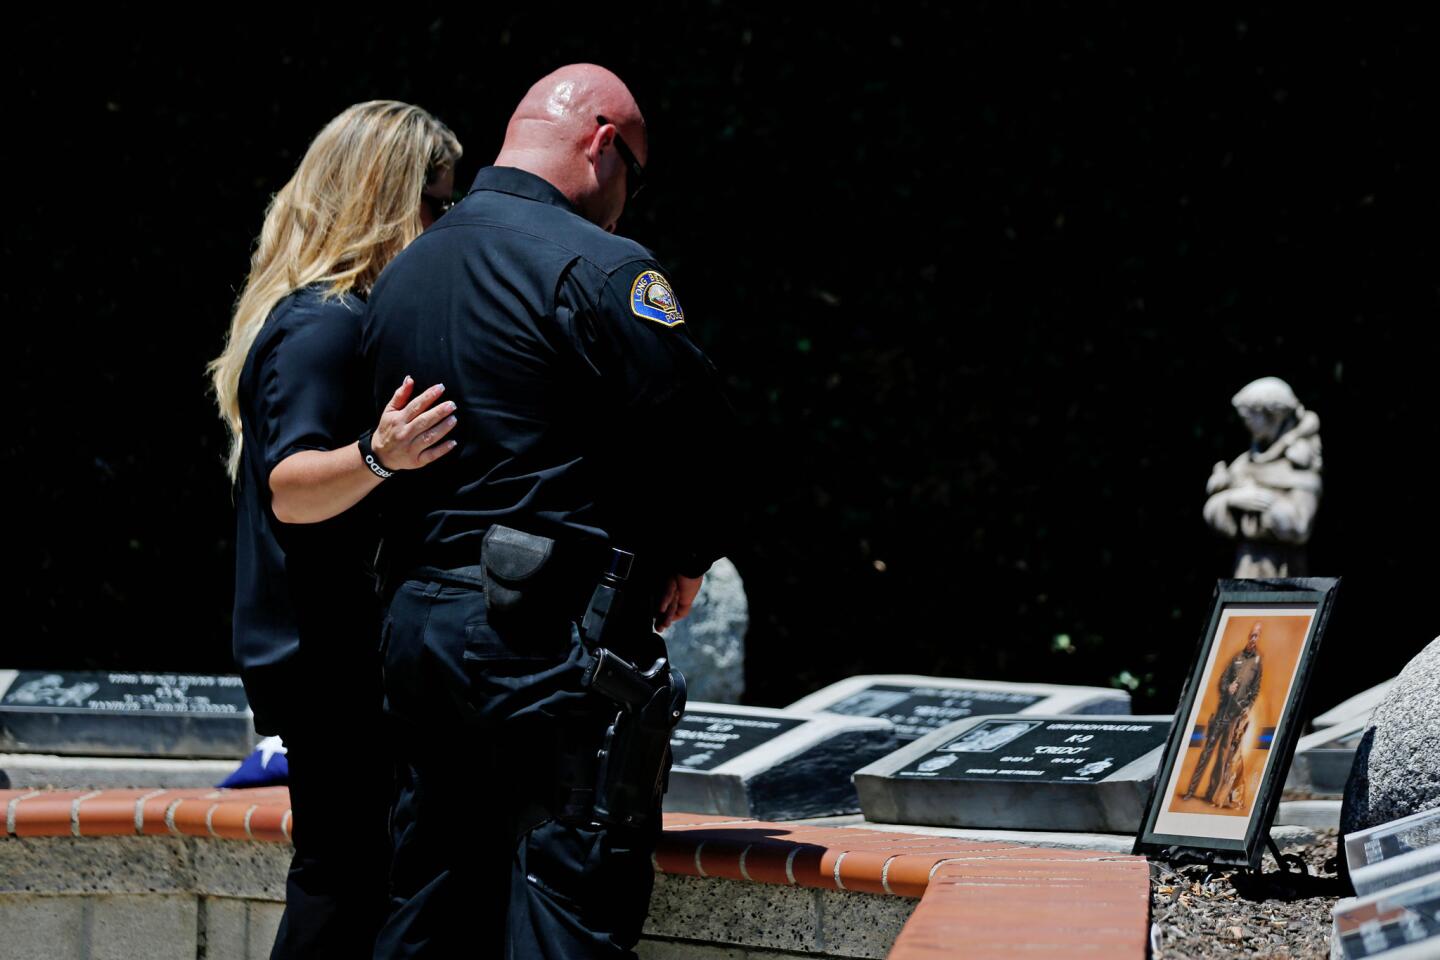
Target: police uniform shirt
580 393
301 388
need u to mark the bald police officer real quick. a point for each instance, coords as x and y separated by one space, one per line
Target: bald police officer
578 386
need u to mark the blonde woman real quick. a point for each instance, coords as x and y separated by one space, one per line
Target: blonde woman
306 453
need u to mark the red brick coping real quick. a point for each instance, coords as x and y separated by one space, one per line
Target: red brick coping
979 899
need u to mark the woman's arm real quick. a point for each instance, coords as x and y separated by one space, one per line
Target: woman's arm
314 485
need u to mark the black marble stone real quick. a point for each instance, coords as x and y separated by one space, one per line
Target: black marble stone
1039 751
916 711
1021 772
770 764
918 705
125 714
703 741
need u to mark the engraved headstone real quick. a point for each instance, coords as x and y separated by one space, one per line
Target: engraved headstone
124 714
1401 923
1021 772
918 705
1322 761
770 764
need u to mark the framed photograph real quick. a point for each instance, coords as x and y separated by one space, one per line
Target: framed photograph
1219 783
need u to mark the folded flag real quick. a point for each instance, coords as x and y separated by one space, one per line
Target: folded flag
263 768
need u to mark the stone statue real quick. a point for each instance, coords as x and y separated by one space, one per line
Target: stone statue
1266 499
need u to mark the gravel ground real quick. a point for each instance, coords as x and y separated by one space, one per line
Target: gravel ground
1221 912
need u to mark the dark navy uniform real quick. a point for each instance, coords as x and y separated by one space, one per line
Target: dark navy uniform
307 624
579 391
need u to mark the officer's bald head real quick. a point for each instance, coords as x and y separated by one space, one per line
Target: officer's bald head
555 135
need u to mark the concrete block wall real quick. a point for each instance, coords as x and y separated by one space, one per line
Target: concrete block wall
120 926
160 874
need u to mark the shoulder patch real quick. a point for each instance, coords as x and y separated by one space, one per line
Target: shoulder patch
651 298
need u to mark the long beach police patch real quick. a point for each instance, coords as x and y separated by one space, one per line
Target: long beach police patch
652 299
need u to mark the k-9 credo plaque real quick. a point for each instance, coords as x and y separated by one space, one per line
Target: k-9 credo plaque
1040 751
1021 772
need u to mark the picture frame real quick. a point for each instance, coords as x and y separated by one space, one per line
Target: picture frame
1223 770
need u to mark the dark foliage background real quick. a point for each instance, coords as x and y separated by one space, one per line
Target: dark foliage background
982 277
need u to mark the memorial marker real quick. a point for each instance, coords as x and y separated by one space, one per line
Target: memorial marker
918 705
1021 772
770 764
1384 841
101 713
1401 923
1323 759
1393 871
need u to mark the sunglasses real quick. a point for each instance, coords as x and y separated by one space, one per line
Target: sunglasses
635 173
438 206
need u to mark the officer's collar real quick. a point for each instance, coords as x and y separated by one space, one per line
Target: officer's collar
521 183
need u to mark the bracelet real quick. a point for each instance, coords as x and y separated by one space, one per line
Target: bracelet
372 461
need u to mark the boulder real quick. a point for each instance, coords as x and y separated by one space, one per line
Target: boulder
1397 762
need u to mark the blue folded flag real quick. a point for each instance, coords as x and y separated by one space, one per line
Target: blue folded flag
265 767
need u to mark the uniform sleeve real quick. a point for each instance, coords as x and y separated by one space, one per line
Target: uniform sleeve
302 384
675 436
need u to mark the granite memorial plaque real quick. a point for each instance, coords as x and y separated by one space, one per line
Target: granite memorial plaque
917 705
1401 923
770 764
1323 760
1388 840
100 713
1075 772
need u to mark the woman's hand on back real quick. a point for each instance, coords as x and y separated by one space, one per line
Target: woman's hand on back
412 430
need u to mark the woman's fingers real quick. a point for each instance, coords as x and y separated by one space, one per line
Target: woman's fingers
414 408
435 453
402 395
435 433
412 434
427 420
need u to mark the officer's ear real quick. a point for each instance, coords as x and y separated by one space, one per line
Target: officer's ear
602 140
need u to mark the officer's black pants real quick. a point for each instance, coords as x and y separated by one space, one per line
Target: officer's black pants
480 713
1217 736
340 787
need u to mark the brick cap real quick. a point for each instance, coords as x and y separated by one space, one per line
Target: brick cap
96 813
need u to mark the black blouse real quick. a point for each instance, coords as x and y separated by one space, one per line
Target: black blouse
301 586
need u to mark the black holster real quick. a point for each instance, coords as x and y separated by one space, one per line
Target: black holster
635 757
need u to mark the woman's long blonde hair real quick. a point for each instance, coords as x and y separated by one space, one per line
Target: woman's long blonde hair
352 205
